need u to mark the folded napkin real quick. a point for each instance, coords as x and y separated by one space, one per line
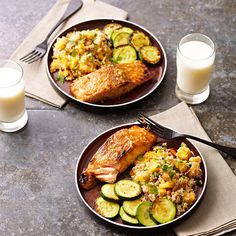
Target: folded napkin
216 213
37 84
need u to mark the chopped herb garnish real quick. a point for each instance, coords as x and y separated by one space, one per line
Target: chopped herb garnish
152 189
60 78
171 174
165 167
74 53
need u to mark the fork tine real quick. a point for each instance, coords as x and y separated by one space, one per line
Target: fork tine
153 128
34 56
152 125
148 120
27 55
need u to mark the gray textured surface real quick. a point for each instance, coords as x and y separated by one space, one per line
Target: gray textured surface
37 191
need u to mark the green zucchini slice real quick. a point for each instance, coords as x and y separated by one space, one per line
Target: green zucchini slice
127 189
108 192
106 208
121 39
127 218
123 29
150 54
143 214
130 207
109 28
139 39
124 54
163 210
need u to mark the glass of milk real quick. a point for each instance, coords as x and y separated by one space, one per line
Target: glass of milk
195 59
13 115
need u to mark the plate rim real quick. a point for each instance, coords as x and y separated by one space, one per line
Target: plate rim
175 221
108 105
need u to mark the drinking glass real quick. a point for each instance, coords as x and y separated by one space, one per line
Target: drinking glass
194 60
13 115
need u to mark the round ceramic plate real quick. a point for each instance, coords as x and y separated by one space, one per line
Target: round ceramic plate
135 95
88 196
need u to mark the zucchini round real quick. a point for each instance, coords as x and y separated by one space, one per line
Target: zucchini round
124 54
125 217
143 214
108 192
109 28
106 208
121 39
123 29
150 54
127 189
163 210
139 39
130 207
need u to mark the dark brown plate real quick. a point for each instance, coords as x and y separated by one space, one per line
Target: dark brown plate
135 95
88 196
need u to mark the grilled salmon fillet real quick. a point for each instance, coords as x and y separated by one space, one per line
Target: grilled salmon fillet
110 81
116 155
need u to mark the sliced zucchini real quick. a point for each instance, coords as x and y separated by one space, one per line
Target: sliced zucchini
139 39
127 218
143 214
163 210
121 39
123 29
106 208
127 189
130 207
150 54
124 54
109 28
108 192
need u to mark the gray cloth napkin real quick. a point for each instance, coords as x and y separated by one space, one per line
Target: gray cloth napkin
216 214
37 84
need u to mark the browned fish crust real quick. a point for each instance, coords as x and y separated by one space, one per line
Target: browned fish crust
116 155
110 82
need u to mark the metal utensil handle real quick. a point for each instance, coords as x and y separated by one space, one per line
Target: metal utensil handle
71 9
229 150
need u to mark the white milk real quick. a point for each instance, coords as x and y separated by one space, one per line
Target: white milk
12 97
194 66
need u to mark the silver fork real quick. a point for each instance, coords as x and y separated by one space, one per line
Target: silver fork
41 49
166 133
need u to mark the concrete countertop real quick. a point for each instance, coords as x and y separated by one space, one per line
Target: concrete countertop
37 190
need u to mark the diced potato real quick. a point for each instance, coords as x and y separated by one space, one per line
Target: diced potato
195 159
142 177
162 191
64 73
80 48
195 170
165 176
183 153
54 66
189 197
74 63
90 35
181 166
168 184
61 43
